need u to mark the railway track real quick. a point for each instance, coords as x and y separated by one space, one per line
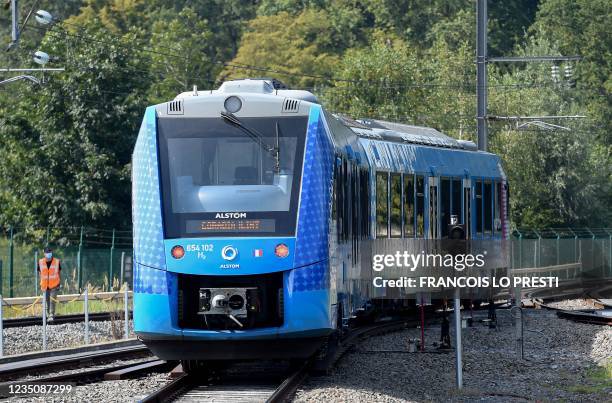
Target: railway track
71 358
600 316
256 384
96 374
73 318
596 316
267 384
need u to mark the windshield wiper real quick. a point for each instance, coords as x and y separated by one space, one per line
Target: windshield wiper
257 137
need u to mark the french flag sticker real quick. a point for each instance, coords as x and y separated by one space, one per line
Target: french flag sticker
258 252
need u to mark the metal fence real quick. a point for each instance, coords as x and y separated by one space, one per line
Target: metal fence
100 257
587 252
103 257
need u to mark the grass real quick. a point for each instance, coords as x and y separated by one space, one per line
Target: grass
114 304
64 308
599 380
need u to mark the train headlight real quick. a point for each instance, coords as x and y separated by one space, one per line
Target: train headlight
177 252
232 104
281 250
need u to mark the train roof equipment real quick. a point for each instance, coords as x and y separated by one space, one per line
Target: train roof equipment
365 128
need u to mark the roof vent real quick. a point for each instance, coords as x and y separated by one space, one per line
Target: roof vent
468 145
175 107
290 105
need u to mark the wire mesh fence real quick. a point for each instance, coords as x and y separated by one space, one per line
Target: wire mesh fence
103 257
584 252
100 257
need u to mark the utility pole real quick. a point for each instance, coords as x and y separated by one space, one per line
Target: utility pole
481 81
481 74
15 24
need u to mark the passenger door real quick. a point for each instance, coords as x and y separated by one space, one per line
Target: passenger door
433 208
467 207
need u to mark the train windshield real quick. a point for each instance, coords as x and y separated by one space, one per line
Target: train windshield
224 179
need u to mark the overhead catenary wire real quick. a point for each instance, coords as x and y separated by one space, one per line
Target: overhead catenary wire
369 83
322 89
227 64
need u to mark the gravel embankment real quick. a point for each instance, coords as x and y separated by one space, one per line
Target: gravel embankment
573 304
128 390
109 363
560 358
19 340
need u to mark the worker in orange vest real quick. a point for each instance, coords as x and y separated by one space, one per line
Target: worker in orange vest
49 268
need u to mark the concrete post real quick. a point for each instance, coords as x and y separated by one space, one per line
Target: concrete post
1 328
35 272
44 318
86 311
458 351
127 315
481 73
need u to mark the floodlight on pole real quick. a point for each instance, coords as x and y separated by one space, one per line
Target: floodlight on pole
41 58
43 17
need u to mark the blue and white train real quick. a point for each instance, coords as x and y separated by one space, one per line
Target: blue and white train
255 210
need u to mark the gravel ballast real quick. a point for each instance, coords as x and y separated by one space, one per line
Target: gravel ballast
561 357
573 304
19 340
127 390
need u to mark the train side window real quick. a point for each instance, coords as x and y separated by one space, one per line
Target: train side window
355 212
478 200
367 208
488 204
339 199
506 190
396 205
420 205
365 203
445 204
334 205
382 205
497 225
456 198
347 201
408 206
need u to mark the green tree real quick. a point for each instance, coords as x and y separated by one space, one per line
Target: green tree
183 55
65 152
556 176
582 27
379 82
292 49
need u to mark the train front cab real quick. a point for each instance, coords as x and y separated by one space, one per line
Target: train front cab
180 251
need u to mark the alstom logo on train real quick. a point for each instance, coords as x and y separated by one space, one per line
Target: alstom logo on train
230 215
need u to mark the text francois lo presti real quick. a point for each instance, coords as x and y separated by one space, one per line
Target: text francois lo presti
458 262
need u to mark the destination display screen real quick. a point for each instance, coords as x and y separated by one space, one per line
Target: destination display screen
246 225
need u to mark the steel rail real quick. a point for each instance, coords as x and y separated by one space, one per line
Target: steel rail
169 391
285 389
59 319
10 369
81 377
586 316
